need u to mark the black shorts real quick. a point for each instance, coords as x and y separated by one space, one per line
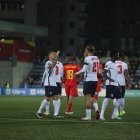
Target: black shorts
122 91
113 92
51 91
59 88
89 87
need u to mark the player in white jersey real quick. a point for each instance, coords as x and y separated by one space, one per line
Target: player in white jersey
49 81
112 90
90 70
59 75
123 75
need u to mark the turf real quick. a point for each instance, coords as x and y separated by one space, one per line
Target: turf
18 121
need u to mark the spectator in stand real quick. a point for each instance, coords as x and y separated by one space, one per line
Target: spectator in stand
6 85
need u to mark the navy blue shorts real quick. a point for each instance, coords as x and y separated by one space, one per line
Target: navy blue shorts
113 92
51 91
89 87
59 88
122 91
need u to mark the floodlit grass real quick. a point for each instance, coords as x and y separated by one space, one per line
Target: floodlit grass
19 122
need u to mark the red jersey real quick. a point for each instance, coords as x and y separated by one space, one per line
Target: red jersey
69 71
99 76
100 67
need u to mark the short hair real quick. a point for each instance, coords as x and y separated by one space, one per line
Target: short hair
72 59
113 53
51 52
90 48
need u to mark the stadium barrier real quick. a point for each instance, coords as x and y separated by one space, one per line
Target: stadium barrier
41 92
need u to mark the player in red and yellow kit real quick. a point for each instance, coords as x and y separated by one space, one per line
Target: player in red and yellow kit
98 89
70 83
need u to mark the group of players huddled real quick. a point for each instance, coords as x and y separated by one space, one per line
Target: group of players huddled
115 73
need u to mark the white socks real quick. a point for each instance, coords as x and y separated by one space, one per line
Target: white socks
48 106
88 113
116 105
95 105
43 105
59 103
56 107
122 103
104 105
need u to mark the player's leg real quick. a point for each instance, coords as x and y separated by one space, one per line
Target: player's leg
95 98
55 101
59 88
89 89
67 90
44 102
72 93
105 102
95 105
117 96
122 101
47 112
69 106
118 112
88 107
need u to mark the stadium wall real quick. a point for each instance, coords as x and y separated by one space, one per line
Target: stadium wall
14 72
41 92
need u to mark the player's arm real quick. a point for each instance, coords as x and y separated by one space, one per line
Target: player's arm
127 77
106 75
55 60
43 79
83 70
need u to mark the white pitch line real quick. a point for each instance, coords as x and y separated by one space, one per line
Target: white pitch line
66 120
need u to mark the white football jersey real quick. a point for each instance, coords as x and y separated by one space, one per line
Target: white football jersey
59 71
50 79
91 66
121 67
112 73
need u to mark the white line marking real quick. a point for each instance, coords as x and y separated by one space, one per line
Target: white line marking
66 120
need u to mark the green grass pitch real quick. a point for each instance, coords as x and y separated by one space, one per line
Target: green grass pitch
19 122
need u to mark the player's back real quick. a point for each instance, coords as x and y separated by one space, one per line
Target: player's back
92 68
121 67
69 71
112 73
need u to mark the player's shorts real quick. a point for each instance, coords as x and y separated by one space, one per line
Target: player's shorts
71 89
122 91
113 92
99 84
51 91
89 87
59 88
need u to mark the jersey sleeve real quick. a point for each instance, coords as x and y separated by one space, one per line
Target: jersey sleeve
107 65
47 65
85 66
